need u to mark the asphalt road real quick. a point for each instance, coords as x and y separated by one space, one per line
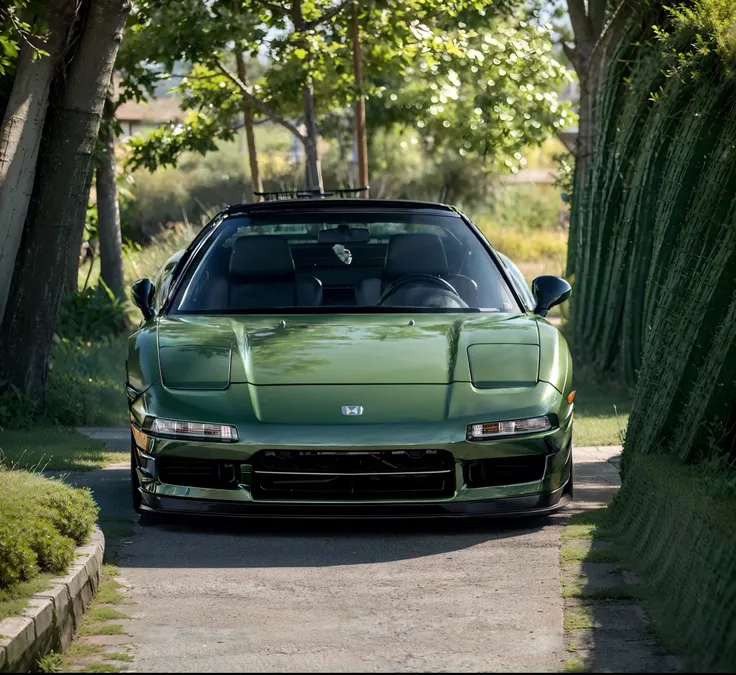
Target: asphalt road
382 596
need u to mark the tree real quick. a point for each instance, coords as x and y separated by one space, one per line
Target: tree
58 204
361 142
489 105
22 125
300 47
597 28
255 176
108 209
403 46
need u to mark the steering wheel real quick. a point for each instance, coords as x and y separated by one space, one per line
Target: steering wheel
413 278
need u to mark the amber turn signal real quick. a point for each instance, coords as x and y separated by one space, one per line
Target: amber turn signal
571 397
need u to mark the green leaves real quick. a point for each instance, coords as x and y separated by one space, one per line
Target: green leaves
488 92
710 25
466 78
12 31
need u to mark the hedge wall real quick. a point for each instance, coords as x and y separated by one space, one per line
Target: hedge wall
654 252
676 524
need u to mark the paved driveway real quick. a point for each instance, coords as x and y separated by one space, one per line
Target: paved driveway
408 596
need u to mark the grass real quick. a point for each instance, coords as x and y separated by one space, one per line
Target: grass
53 448
108 593
540 246
97 622
574 665
86 382
585 525
571 554
100 667
578 618
118 656
51 663
81 650
601 411
14 600
104 613
101 629
145 261
109 571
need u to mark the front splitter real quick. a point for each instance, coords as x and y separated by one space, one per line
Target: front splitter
529 505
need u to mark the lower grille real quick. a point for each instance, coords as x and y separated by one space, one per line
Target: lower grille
504 471
202 473
343 475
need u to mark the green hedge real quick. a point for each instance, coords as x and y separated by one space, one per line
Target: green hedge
41 521
676 523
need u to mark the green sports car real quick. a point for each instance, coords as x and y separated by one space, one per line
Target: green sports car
348 357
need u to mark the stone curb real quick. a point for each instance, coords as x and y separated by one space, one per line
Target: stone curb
52 616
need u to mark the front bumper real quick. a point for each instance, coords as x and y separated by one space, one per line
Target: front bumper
530 505
547 491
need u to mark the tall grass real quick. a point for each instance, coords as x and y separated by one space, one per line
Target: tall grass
145 260
86 383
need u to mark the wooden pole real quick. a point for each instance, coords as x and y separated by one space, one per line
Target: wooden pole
255 177
360 133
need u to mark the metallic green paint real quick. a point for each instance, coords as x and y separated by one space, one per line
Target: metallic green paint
503 365
287 385
343 349
192 367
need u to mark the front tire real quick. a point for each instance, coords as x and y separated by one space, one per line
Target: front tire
570 487
135 493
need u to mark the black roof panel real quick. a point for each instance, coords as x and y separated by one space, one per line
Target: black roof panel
344 204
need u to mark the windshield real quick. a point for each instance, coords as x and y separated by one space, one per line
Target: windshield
377 262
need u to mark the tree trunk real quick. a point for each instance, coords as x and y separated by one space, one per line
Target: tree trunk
360 133
313 168
255 176
58 202
20 136
71 278
108 210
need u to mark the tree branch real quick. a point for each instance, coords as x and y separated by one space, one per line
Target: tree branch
264 107
573 56
597 14
273 8
309 25
581 26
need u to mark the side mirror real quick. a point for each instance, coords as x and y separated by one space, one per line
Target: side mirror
549 291
142 294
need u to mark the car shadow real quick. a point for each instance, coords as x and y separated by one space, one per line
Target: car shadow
221 543
177 541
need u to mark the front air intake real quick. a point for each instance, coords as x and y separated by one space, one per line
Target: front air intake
504 471
353 475
201 473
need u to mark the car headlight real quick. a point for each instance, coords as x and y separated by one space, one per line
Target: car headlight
199 431
486 430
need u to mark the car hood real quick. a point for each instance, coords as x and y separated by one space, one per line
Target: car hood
210 352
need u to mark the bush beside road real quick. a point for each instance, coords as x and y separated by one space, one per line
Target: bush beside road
43 521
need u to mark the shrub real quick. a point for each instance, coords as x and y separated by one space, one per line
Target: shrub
18 562
86 382
42 520
16 410
71 511
527 247
92 314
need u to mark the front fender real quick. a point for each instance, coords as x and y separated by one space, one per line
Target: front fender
143 364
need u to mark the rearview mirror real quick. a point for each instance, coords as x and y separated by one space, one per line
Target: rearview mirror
344 234
549 291
142 294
